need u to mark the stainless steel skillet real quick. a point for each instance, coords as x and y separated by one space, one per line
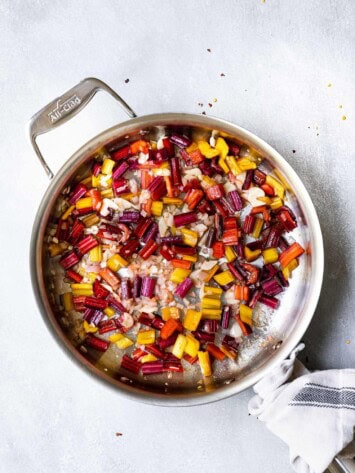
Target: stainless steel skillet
277 334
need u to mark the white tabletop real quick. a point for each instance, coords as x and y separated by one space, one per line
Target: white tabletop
288 68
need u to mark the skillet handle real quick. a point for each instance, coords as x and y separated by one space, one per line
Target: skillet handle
337 466
65 107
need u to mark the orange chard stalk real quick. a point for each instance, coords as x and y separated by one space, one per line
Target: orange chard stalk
179 263
215 351
169 186
110 277
241 293
146 178
290 253
138 146
169 328
147 207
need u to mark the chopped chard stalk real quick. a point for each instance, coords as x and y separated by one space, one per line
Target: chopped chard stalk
97 343
185 219
148 286
180 141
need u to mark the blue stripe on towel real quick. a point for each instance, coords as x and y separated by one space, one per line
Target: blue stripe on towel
316 395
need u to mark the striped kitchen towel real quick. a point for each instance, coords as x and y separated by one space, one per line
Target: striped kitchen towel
314 413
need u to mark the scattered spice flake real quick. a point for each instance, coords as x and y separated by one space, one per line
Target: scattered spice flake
203 113
200 104
330 84
126 81
210 105
343 117
118 434
293 151
340 106
347 342
214 100
208 49
223 75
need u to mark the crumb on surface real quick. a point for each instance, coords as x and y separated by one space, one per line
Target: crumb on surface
118 434
293 151
126 81
203 113
348 342
343 117
214 100
330 84
208 49
222 74
210 105
340 106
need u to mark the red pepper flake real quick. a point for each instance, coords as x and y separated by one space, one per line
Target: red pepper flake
210 105
126 81
118 434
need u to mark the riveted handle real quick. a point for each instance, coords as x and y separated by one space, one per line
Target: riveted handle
66 107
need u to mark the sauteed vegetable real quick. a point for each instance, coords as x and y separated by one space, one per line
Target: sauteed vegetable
169 247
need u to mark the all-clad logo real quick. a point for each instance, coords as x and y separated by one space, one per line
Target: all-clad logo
63 108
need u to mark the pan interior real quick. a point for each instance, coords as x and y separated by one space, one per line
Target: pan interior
272 328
